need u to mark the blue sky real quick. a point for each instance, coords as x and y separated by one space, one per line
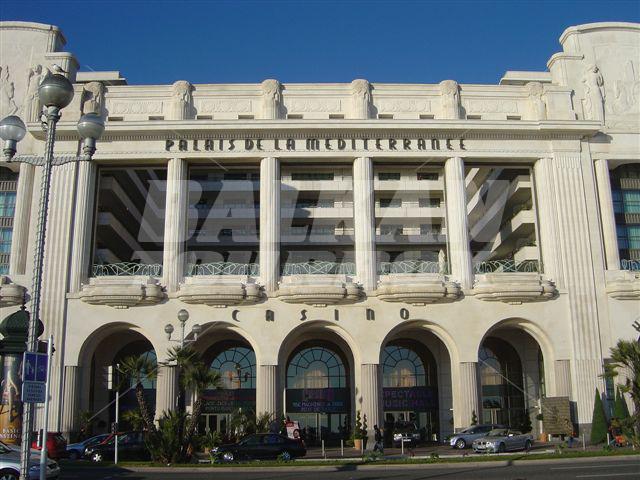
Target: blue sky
314 41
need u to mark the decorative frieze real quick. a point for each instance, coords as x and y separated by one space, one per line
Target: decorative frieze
224 106
319 290
403 105
328 105
418 289
135 108
219 291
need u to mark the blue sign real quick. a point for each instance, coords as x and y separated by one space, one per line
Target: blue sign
34 377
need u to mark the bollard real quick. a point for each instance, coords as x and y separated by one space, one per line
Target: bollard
342 447
323 452
402 447
584 445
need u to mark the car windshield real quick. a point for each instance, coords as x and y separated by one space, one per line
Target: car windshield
497 432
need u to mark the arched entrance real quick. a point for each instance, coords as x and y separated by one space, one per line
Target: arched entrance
235 361
318 391
410 387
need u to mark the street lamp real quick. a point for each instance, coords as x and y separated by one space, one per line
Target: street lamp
183 316
55 93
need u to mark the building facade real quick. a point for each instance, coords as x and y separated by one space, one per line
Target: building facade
413 252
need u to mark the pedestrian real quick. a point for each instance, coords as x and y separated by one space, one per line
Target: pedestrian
379 446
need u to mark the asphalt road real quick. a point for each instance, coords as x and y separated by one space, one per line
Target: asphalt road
593 469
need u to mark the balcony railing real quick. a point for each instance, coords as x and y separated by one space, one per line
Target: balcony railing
126 269
508 266
412 266
319 268
223 268
632 265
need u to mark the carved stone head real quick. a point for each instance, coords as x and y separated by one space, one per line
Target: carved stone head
182 90
534 89
271 88
360 87
448 87
92 97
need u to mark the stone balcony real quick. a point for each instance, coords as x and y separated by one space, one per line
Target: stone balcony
10 293
219 291
319 290
623 284
122 291
417 288
513 288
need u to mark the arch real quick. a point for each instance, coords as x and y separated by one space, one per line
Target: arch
214 332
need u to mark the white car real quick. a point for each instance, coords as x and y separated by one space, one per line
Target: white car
10 464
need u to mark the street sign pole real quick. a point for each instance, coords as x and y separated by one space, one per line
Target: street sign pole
43 453
115 454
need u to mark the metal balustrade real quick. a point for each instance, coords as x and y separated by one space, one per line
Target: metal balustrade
508 266
631 265
319 268
412 266
126 269
223 268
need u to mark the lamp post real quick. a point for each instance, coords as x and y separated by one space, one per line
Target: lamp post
183 316
55 93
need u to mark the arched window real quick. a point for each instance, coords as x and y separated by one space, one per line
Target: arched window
403 367
316 367
237 367
8 188
140 348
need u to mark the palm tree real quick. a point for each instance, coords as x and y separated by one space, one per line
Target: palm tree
138 368
626 355
198 377
182 357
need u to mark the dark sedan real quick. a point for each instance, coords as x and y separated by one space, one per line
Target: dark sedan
131 446
261 446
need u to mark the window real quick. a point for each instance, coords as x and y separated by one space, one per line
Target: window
316 367
245 117
430 229
306 176
427 176
427 117
514 117
474 117
390 229
385 116
237 367
428 202
204 117
336 116
634 236
390 203
294 116
156 117
631 199
383 176
7 204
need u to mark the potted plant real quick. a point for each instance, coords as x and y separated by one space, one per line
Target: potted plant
357 432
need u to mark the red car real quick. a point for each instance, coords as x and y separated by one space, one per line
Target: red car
56 444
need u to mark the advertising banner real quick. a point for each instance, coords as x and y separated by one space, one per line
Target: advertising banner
318 400
10 401
417 399
226 401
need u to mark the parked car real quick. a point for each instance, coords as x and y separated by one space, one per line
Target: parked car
56 444
465 438
131 446
76 450
10 464
502 440
261 446
407 433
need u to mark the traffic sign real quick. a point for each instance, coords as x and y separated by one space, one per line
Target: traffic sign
34 377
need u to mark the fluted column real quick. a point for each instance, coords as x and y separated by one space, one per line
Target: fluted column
21 220
270 223
166 389
563 378
71 400
175 223
608 220
81 249
457 223
466 402
576 248
267 390
547 217
364 222
370 389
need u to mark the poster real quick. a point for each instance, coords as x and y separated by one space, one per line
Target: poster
293 429
417 399
318 400
10 404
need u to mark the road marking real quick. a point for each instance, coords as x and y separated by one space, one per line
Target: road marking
597 466
635 474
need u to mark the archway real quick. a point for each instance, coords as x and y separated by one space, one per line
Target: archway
235 361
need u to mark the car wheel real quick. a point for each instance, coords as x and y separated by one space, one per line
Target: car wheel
7 474
461 444
227 457
502 448
285 455
527 445
74 455
96 457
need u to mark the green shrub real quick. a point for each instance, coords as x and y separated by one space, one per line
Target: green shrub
599 421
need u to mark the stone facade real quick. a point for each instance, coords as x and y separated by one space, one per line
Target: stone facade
568 127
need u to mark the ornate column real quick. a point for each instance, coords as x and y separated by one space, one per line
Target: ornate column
547 220
71 399
175 224
270 223
364 222
466 402
166 389
457 223
371 394
21 220
267 390
608 219
81 248
577 261
563 378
